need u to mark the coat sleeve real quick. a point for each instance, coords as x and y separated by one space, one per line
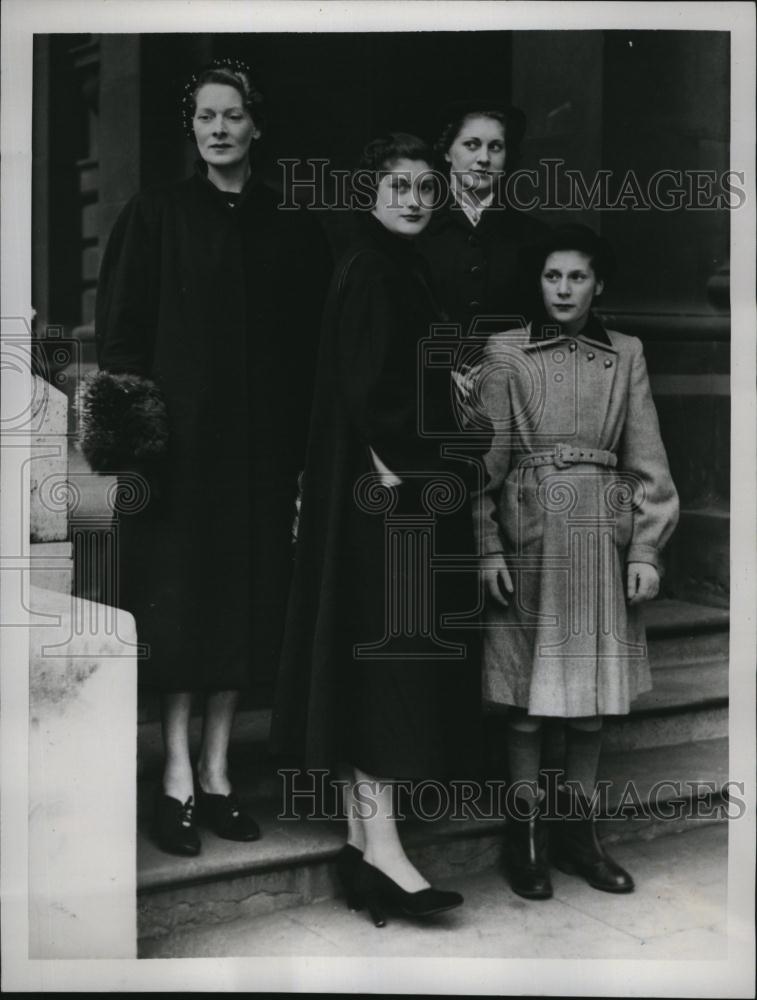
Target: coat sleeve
642 454
126 310
495 401
376 372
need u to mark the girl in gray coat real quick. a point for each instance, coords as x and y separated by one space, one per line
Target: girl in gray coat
578 505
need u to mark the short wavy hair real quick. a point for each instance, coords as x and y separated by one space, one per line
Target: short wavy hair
512 120
379 154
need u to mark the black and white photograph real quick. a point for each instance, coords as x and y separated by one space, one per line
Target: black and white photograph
377 497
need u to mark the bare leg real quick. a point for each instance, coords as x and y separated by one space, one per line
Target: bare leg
176 707
212 765
383 848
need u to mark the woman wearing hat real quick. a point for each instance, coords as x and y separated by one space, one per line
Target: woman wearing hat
212 293
475 238
579 505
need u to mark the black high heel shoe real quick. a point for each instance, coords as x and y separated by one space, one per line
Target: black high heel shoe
348 862
378 891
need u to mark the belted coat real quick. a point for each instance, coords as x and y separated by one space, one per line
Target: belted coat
579 487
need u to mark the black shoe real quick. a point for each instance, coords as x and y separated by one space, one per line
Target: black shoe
378 891
578 850
526 852
173 827
348 861
223 815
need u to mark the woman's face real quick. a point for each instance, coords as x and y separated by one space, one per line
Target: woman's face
568 286
222 126
477 154
405 197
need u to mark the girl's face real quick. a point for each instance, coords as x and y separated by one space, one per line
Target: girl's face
568 287
222 126
477 154
405 197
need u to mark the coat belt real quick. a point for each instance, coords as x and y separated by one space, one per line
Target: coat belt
563 455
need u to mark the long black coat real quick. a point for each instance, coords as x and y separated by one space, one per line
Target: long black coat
220 305
403 704
479 269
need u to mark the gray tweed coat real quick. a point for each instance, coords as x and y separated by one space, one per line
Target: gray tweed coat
569 644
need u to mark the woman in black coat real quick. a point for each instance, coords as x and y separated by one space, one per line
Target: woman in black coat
476 237
212 292
372 677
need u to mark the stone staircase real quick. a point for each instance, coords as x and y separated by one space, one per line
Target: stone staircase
673 746
677 733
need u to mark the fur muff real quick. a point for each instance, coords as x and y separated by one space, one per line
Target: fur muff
122 421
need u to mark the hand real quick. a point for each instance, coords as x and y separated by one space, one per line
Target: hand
496 579
643 582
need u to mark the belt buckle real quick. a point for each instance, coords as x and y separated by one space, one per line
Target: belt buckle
560 461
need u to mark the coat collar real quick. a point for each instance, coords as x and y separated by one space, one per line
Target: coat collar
209 189
398 247
543 330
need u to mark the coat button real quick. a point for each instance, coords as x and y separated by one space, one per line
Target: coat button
475 269
591 355
474 304
472 240
572 345
608 363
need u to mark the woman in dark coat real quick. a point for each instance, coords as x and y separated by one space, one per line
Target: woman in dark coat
372 677
212 292
475 240
578 507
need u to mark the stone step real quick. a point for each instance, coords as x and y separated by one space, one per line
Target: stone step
698 559
293 862
688 648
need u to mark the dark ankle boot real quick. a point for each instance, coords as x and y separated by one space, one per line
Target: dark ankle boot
526 851
578 850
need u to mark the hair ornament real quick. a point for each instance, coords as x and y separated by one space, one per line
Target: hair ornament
238 68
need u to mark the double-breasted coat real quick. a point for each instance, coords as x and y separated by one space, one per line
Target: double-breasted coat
579 487
371 675
479 269
218 300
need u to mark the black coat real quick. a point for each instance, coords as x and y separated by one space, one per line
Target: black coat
398 706
479 269
220 305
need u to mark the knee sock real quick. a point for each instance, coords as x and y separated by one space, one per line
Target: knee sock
523 756
582 746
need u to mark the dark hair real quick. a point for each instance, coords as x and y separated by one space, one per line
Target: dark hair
379 155
512 120
573 236
231 73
